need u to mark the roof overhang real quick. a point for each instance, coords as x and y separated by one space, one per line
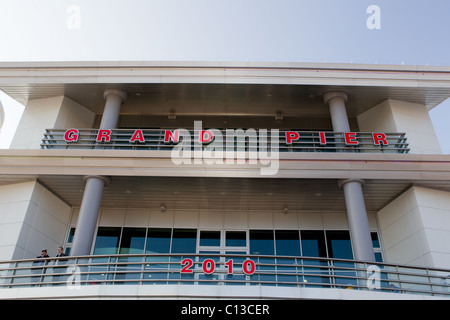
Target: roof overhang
304 181
225 88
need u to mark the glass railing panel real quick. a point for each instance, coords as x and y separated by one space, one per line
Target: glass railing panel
158 267
237 276
99 270
307 141
345 275
176 276
209 269
316 273
287 270
6 273
279 271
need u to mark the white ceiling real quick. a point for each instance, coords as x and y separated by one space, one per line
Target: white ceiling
229 193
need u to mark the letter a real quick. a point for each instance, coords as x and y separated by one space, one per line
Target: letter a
373 21
137 136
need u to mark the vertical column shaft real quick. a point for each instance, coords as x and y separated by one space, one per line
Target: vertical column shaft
354 198
357 220
336 102
114 100
87 219
93 192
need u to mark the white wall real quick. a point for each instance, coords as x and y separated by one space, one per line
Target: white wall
224 220
40 114
415 228
399 116
248 219
31 218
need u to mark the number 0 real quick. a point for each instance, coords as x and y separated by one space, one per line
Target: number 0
248 267
209 266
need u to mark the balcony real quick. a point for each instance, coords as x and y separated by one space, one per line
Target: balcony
252 140
249 271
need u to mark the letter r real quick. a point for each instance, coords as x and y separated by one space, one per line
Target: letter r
104 134
379 138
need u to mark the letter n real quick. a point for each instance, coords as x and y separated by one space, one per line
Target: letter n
175 136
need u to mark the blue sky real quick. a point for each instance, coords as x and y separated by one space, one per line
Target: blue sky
411 32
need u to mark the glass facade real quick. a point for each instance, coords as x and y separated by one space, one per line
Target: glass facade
107 241
184 241
158 241
235 238
133 241
280 255
287 242
210 238
306 243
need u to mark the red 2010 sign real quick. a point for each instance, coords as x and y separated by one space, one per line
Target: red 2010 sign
209 266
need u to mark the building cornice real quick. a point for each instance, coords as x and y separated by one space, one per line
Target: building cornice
414 167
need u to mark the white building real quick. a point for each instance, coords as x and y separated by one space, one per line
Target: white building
355 172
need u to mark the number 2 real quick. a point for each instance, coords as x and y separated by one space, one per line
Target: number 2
188 264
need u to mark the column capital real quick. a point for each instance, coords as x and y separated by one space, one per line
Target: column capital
106 180
122 94
344 181
333 94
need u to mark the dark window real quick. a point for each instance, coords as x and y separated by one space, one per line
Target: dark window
158 240
107 241
210 238
71 234
235 239
313 244
375 241
287 243
133 241
339 245
261 242
184 241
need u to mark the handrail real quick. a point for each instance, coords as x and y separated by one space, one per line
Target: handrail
309 141
214 269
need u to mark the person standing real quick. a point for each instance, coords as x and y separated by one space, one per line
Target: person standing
60 252
59 266
39 271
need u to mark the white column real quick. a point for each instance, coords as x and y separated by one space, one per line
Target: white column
354 198
114 100
87 219
93 192
357 219
336 102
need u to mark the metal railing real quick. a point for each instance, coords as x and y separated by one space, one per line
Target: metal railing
212 269
308 141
